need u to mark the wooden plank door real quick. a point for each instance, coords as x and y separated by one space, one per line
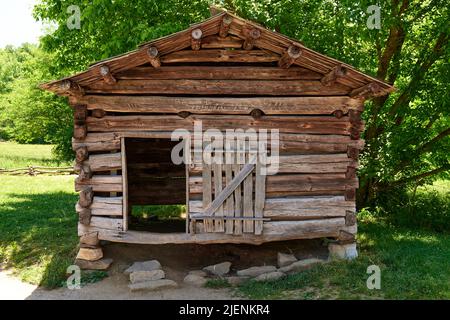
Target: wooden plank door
233 191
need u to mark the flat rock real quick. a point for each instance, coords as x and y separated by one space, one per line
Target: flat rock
199 273
144 266
342 251
235 281
256 271
301 265
152 285
195 280
101 264
269 276
285 259
219 269
142 276
90 254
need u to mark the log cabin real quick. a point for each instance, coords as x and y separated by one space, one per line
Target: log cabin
225 73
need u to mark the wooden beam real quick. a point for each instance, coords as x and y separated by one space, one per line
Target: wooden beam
273 231
219 72
350 218
196 39
100 183
251 35
153 55
105 73
225 26
331 77
289 57
219 105
98 113
80 114
219 55
370 90
84 214
220 87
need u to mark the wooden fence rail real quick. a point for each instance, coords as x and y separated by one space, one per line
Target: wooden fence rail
36 170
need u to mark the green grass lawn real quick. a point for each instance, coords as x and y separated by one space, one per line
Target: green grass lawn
14 155
38 227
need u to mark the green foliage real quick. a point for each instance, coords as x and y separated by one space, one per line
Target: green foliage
14 155
413 265
38 227
159 211
27 113
217 283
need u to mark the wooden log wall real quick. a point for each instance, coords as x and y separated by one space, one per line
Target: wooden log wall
312 195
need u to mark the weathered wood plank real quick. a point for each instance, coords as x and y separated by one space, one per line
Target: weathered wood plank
193 56
220 87
260 193
107 223
295 183
285 124
218 73
100 183
105 162
218 212
207 194
98 142
125 196
229 202
218 105
106 206
273 231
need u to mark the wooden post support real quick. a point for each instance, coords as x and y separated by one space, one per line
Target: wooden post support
196 39
289 57
84 215
153 55
352 153
350 218
105 72
81 154
250 36
80 131
225 26
71 88
369 90
331 77
85 173
86 197
80 114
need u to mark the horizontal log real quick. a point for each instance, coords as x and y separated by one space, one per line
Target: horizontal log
294 183
101 183
106 206
105 162
107 223
193 56
324 163
98 142
273 231
291 124
298 207
212 105
220 87
216 42
218 73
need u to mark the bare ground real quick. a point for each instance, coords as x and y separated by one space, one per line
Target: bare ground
176 260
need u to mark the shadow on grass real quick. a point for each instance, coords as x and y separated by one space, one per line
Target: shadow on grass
414 265
38 235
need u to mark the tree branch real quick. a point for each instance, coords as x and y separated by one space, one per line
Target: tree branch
417 177
426 146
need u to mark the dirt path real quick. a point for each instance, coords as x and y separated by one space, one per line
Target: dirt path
176 260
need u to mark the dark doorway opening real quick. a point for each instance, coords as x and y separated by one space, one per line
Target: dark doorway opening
156 186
